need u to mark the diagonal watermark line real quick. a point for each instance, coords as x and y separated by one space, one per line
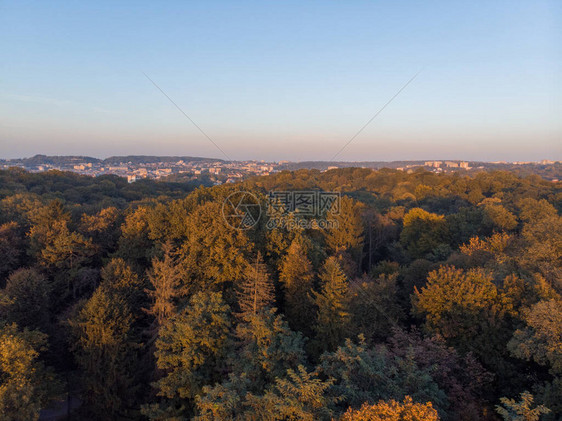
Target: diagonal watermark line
189 118
375 116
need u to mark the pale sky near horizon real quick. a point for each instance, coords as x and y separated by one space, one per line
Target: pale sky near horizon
282 80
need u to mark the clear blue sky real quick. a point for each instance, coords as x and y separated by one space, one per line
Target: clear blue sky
282 79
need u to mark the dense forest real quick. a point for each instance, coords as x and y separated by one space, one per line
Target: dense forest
433 297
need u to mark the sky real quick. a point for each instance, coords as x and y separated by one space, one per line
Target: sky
282 80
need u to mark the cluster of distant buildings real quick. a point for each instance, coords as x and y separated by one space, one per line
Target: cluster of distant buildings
439 166
218 172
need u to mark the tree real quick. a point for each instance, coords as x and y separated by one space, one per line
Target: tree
298 396
490 249
497 217
214 253
266 349
461 377
423 233
103 227
20 207
166 280
472 314
105 350
542 249
61 252
296 277
256 292
65 249
27 385
457 303
541 340
25 300
45 220
190 351
532 210
224 401
11 247
374 307
464 224
332 303
119 278
393 411
521 411
347 234
135 245
366 375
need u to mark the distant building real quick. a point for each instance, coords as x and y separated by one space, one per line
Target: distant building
118 169
451 164
464 165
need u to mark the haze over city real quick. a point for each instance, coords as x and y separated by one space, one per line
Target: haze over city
282 81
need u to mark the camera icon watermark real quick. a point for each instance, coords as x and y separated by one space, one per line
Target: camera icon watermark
285 209
241 210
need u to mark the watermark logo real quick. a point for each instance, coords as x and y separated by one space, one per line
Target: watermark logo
241 210
285 209
302 209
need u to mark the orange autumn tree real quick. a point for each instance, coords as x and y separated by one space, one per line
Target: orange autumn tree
393 411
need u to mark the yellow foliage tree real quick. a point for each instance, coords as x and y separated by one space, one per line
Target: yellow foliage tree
393 411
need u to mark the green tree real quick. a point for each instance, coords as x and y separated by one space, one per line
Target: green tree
296 277
25 300
332 301
299 395
374 307
423 233
497 217
165 278
541 341
135 245
224 401
456 303
27 385
61 252
105 350
532 210
542 249
190 351
119 278
256 292
521 411
266 349
364 375
103 228
214 253
347 234
11 247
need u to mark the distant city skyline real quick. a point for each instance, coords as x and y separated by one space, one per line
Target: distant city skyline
283 81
